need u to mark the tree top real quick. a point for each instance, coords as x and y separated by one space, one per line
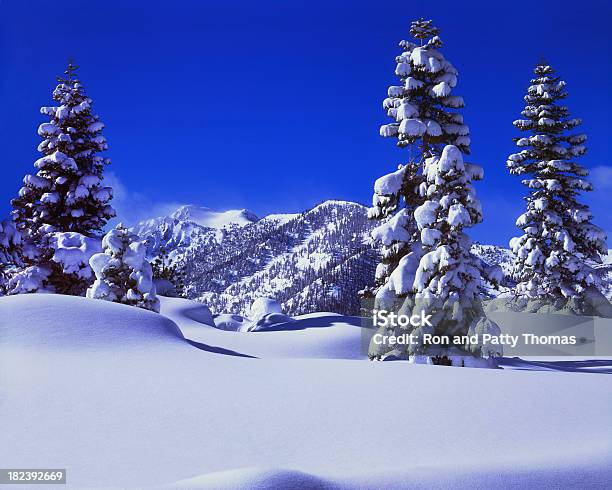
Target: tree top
422 29
70 72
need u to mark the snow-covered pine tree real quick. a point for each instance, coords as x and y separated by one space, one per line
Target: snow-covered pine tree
559 244
425 119
426 255
66 194
168 274
123 274
10 241
445 279
449 279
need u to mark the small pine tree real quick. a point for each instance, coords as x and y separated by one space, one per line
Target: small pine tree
425 120
559 243
123 275
166 269
66 194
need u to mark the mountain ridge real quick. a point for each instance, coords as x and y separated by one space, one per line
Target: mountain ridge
317 260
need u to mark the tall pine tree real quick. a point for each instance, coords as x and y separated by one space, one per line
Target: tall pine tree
425 120
559 242
66 194
426 254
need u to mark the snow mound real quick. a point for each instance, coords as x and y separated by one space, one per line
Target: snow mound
31 320
253 478
194 311
524 474
262 307
271 321
233 323
312 336
209 218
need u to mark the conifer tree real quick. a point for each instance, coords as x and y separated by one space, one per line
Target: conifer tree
559 243
445 279
167 269
123 275
10 241
448 268
427 260
66 194
425 120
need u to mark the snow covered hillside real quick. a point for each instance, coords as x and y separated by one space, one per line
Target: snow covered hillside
494 255
313 261
119 398
176 231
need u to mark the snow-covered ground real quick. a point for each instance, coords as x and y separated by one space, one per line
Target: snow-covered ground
312 336
119 398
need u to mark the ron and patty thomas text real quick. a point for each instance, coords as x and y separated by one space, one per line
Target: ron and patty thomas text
383 318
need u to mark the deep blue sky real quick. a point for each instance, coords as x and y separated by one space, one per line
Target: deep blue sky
275 106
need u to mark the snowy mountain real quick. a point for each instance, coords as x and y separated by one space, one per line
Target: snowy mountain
209 218
314 261
176 231
494 255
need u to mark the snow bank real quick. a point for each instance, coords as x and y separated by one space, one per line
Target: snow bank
244 478
271 321
317 335
262 307
233 323
50 322
266 314
522 475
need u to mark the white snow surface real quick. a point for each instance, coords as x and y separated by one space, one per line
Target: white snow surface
119 398
281 218
214 219
316 335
